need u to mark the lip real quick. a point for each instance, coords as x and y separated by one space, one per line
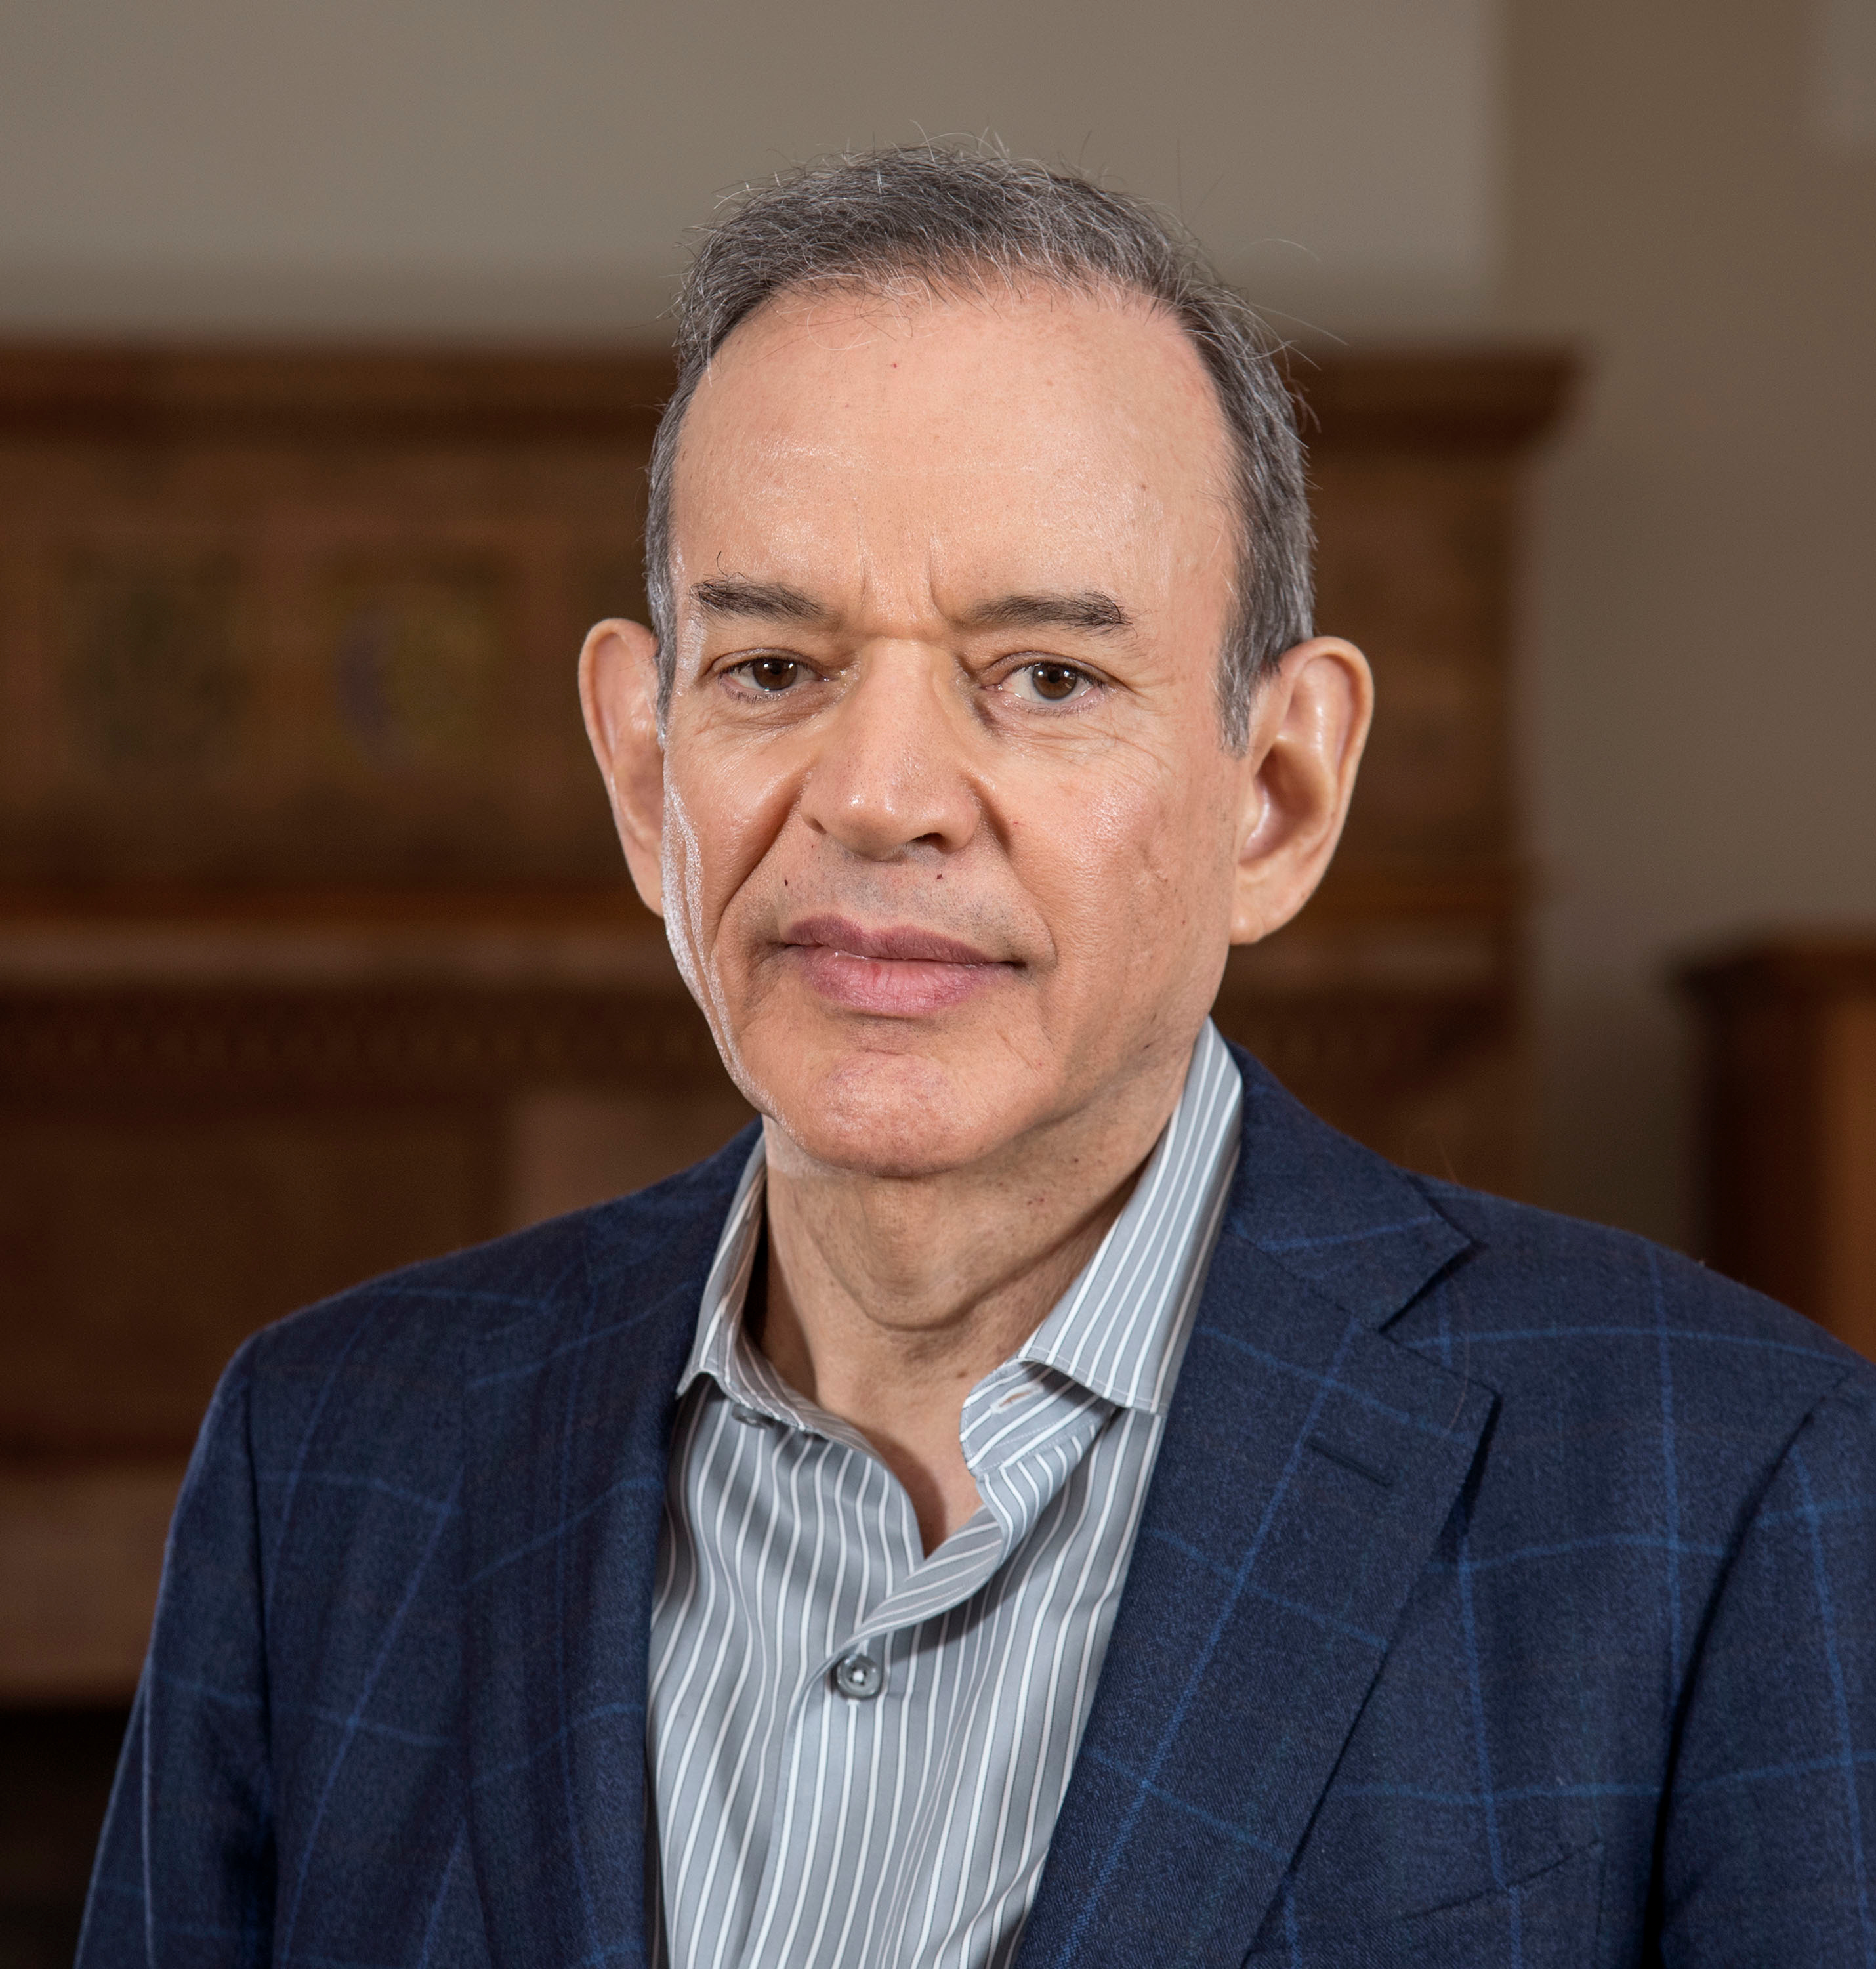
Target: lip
896 970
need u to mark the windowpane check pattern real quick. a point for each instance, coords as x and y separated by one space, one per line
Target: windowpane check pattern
858 1752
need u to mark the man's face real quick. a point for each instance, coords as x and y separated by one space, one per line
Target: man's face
949 827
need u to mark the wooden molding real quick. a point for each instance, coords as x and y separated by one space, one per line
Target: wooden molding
135 393
1492 397
1806 964
1489 398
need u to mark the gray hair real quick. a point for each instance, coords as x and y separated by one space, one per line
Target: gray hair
954 218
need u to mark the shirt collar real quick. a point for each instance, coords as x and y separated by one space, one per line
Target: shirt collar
1119 1329
720 1341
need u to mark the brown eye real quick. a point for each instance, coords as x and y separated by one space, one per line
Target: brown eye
771 674
1052 683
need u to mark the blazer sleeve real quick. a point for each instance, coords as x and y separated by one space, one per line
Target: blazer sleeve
1766 1854
185 1869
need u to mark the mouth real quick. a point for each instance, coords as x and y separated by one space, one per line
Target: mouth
896 970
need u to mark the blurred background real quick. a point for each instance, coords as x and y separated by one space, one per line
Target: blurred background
331 339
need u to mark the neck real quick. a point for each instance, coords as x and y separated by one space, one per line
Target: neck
888 1299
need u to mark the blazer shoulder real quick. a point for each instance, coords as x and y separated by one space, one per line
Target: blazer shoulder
1537 1289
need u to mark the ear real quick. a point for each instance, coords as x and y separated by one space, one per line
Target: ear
619 698
1308 725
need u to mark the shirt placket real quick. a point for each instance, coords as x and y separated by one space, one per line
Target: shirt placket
1025 1429
830 1749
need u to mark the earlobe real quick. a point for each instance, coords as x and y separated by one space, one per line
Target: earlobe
619 701
1307 730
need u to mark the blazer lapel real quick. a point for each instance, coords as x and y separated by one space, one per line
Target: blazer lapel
1308 1466
568 1417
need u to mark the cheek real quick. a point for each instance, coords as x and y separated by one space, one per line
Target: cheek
1131 870
683 862
724 807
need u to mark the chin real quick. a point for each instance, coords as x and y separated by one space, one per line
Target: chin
899 1113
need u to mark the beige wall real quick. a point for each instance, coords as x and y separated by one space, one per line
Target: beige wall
1701 708
478 163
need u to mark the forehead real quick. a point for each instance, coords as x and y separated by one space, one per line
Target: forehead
1040 429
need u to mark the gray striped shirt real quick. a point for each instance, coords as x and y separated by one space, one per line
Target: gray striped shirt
858 1752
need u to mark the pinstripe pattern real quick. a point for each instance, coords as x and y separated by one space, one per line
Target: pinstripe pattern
799 1825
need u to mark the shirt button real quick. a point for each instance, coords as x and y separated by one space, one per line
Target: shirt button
859 1677
749 1418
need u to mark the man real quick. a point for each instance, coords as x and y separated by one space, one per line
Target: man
1043 1498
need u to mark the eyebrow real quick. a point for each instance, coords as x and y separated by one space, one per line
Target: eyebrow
1089 609
774 600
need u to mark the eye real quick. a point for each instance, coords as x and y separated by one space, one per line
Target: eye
1049 682
772 674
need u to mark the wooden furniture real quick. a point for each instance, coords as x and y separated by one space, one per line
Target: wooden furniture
314 955
1789 1134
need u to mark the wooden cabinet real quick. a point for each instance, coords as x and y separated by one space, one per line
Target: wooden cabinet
1789 1125
315 956
1395 1005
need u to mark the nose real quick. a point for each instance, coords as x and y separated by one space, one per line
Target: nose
891 771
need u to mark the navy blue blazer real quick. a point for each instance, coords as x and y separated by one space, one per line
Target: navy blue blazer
1505 1594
